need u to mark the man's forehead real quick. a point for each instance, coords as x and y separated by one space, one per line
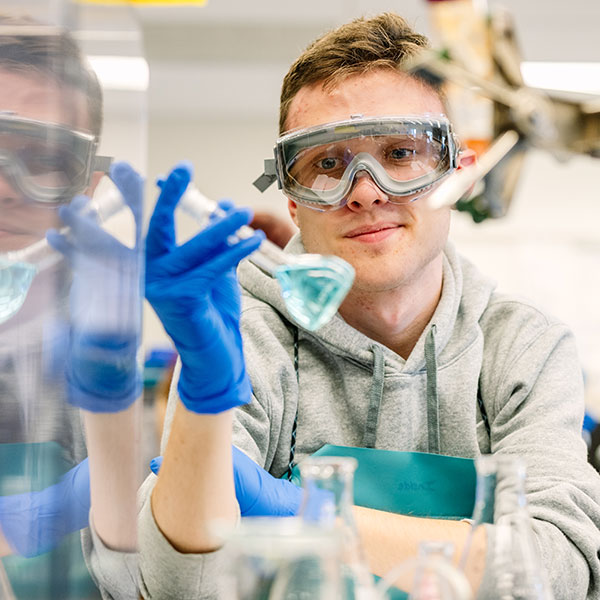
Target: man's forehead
380 92
32 95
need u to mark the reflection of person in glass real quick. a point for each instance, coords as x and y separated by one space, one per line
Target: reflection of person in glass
50 121
50 118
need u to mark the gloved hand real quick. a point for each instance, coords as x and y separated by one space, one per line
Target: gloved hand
194 291
36 522
105 302
258 493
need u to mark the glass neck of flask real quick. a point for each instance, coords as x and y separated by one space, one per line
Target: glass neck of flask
500 487
328 483
267 258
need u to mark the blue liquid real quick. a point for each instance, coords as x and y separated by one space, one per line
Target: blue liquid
15 279
314 287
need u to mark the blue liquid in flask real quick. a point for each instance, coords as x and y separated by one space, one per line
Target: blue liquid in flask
15 280
313 287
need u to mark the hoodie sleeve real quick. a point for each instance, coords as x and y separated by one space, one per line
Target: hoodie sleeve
165 572
533 390
114 572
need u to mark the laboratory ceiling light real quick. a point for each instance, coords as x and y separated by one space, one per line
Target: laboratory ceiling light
582 77
130 73
127 73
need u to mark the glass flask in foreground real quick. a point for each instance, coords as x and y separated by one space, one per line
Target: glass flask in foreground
281 558
312 286
328 484
500 499
429 576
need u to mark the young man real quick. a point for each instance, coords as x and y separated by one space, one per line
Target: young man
420 337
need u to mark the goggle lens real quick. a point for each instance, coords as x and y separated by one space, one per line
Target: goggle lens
403 155
46 163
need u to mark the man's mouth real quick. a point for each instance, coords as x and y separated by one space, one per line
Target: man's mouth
374 230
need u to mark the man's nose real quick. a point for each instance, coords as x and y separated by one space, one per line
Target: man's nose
9 196
365 193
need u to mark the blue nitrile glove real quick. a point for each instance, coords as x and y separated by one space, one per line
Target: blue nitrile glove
36 522
194 291
260 494
106 299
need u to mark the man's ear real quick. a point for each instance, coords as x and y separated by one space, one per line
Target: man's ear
293 210
467 158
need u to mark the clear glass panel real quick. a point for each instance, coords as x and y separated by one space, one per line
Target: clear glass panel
70 295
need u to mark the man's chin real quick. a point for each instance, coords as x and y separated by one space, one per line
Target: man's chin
373 283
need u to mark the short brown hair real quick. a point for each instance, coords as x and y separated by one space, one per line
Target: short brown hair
54 54
382 42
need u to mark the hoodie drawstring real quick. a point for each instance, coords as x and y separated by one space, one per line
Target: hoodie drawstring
375 397
433 423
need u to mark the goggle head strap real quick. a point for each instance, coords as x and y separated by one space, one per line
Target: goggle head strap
268 177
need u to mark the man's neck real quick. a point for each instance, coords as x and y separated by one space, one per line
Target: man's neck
397 317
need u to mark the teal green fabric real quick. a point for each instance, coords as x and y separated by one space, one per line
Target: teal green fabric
61 573
410 483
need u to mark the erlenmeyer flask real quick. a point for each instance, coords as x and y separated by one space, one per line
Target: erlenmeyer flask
328 484
282 558
429 576
19 267
500 498
313 286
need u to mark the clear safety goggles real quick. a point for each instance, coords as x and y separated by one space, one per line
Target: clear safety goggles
47 163
404 155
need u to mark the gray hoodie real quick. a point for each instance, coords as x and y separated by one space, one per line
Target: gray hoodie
356 392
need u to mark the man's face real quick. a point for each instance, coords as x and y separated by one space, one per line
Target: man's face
33 96
389 245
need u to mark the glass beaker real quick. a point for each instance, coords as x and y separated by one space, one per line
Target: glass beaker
501 500
281 558
429 576
328 483
312 286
